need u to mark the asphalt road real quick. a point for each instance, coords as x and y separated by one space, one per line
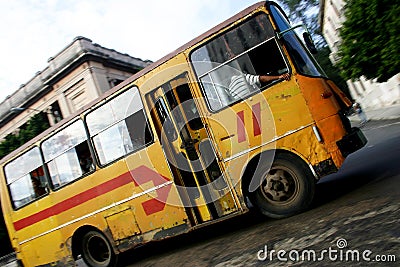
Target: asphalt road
354 220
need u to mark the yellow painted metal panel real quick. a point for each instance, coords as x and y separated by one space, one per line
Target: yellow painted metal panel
123 224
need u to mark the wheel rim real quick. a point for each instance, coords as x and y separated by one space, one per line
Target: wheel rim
280 185
97 251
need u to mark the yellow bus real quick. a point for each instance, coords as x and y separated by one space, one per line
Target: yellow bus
240 117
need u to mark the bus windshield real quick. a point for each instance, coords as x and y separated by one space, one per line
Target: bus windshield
302 59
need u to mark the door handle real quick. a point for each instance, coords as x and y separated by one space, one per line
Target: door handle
227 137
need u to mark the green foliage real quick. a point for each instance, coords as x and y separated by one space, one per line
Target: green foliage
331 71
305 12
370 39
298 8
36 125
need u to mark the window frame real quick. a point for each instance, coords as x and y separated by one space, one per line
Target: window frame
115 123
261 89
45 177
291 41
46 163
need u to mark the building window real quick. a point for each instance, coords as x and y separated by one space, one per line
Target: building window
56 112
335 9
114 82
78 95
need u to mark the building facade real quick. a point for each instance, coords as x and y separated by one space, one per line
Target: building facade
369 93
77 75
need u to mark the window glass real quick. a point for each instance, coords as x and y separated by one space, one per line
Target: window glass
302 59
189 107
64 140
231 44
229 66
65 168
112 143
67 155
23 164
25 178
117 109
119 127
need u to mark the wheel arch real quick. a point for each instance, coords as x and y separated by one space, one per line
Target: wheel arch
78 235
269 155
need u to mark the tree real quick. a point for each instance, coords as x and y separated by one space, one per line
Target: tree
370 39
306 12
36 125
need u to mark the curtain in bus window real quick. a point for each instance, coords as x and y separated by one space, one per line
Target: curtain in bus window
67 154
25 178
119 127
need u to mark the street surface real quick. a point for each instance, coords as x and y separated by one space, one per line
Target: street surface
354 220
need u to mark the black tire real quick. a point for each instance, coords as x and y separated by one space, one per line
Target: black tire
287 187
97 250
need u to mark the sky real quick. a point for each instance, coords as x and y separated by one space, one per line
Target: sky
32 31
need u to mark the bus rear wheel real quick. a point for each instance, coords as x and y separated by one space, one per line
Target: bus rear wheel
287 187
97 250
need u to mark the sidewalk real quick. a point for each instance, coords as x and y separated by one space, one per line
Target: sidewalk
386 113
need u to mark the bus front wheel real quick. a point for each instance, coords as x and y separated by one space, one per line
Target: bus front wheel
287 187
97 250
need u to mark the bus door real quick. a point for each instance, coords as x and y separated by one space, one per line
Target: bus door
200 180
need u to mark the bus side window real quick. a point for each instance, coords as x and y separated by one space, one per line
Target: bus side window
67 155
25 178
138 129
228 65
119 127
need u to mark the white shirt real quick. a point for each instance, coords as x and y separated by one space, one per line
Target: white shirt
240 85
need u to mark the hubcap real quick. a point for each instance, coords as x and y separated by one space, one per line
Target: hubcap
279 186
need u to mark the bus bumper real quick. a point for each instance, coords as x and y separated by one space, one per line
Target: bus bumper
352 142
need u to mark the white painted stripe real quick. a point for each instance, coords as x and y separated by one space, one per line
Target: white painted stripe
98 211
244 152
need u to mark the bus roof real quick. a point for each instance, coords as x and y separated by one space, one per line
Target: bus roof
137 75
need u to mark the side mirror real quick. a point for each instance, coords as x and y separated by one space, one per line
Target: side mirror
309 43
306 36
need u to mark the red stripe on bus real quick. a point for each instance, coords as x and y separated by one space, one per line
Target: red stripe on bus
142 175
74 201
256 109
241 130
